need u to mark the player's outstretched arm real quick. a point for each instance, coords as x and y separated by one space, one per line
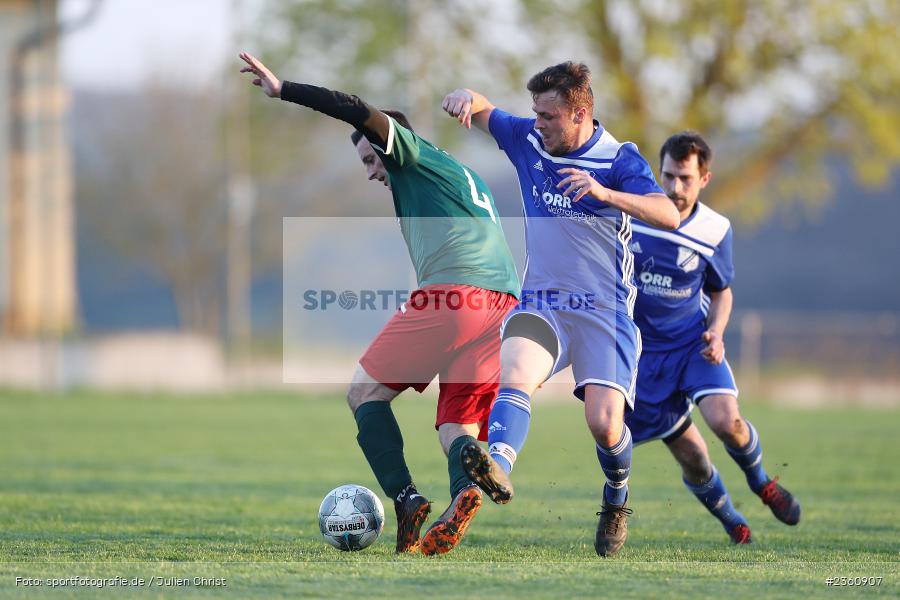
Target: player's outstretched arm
720 304
468 107
264 78
371 121
654 209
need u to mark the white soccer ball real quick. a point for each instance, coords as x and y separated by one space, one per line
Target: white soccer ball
351 517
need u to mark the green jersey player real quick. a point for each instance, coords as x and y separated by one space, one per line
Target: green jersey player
451 325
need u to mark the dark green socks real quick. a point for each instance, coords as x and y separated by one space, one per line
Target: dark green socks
458 477
382 443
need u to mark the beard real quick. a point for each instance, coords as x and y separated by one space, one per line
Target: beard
564 145
682 203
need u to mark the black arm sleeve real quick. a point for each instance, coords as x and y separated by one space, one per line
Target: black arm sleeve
338 105
711 289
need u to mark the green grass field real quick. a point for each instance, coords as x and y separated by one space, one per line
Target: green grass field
99 485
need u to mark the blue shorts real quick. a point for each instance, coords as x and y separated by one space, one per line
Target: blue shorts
601 344
669 384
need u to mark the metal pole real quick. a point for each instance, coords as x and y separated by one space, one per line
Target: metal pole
751 349
241 195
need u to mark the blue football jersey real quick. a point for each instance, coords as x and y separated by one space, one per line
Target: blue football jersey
582 247
674 269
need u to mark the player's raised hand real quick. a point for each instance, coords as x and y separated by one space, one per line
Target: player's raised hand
264 79
714 351
580 183
458 103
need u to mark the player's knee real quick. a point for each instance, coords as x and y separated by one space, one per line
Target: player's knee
355 396
520 379
696 466
524 364
363 388
606 432
522 375
360 393
450 432
607 439
729 428
603 411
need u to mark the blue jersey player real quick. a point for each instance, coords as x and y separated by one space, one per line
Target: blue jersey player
580 188
683 305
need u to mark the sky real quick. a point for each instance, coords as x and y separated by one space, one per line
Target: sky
130 41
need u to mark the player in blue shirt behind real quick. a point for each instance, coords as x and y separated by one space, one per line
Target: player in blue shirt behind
683 305
580 188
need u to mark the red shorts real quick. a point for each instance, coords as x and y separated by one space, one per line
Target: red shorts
448 330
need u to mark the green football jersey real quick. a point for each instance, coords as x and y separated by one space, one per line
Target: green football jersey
447 216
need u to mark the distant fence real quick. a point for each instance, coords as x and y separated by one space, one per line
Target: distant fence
128 361
832 344
798 357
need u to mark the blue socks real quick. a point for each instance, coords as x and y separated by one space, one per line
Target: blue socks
749 459
508 429
508 426
616 464
714 497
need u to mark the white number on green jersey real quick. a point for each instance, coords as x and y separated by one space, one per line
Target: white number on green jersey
484 202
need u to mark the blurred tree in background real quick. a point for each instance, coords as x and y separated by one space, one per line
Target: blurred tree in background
151 189
778 86
786 90
403 54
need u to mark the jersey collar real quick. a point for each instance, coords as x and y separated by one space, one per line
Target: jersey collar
692 215
598 131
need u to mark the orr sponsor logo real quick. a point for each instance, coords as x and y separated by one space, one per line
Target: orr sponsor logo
655 284
648 278
550 198
562 206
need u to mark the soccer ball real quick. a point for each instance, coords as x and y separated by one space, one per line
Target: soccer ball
351 517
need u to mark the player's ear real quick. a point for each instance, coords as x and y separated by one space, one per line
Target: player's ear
704 179
580 115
